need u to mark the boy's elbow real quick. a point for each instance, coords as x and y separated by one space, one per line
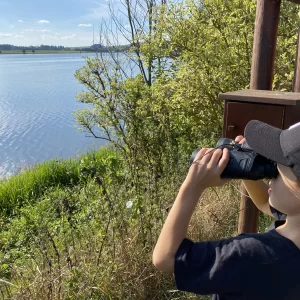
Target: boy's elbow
163 264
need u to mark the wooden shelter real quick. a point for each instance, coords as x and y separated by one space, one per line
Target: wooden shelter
280 109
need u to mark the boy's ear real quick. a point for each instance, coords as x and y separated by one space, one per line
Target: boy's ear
298 188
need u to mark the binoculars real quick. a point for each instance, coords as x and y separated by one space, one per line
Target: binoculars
244 163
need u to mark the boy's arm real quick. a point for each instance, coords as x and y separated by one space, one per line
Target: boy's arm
175 229
204 172
257 190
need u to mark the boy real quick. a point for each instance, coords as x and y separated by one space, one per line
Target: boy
249 266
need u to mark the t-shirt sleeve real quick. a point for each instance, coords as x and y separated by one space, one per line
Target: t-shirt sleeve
211 267
232 266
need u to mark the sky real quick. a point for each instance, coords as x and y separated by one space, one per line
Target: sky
54 22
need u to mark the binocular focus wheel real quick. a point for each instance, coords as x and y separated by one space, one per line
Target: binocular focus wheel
224 141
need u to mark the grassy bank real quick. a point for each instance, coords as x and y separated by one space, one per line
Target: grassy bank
68 234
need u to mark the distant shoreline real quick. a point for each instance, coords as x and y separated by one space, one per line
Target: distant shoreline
45 52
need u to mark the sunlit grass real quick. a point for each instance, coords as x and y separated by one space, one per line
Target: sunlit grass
68 238
32 182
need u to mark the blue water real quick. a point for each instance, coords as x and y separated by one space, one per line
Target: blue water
37 101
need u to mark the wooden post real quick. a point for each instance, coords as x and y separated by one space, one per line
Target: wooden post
296 81
264 47
262 73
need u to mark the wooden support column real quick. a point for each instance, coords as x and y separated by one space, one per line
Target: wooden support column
264 47
262 73
296 81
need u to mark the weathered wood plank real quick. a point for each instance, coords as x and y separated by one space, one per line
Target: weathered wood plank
262 96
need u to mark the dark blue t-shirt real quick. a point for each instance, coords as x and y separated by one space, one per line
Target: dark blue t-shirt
247 267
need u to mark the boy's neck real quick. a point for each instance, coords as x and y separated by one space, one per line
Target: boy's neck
290 229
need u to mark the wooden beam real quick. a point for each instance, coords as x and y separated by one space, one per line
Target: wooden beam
264 46
261 96
296 81
262 73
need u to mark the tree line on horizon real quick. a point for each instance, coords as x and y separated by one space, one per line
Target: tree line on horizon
95 47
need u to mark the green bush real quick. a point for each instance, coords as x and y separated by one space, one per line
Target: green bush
31 184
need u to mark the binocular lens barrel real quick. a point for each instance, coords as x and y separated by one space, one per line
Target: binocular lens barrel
244 163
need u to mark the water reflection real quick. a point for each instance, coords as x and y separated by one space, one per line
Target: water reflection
37 99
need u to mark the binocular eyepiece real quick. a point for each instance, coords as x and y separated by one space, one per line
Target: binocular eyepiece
244 163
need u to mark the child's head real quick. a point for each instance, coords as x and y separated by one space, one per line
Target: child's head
284 192
283 147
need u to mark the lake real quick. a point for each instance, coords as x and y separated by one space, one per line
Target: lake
37 101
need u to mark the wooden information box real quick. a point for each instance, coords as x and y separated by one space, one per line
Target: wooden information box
279 109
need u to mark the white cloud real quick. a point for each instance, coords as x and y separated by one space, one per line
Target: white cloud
20 21
49 37
43 30
97 13
85 25
5 34
43 22
19 36
12 26
26 30
68 37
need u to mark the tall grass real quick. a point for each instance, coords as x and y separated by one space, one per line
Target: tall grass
31 183
70 245
74 238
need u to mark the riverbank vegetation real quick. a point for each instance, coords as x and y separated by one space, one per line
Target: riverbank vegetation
46 49
85 228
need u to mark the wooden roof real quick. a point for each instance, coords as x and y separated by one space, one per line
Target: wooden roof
262 96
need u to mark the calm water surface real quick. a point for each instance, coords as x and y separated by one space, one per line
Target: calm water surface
37 99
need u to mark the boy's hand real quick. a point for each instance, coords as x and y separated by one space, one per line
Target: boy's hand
240 139
206 169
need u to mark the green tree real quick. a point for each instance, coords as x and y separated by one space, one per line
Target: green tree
211 50
186 55
120 113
